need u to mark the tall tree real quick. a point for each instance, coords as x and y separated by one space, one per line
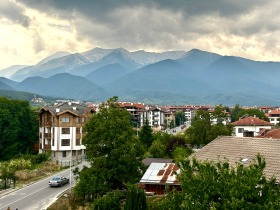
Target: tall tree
180 118
197 134
112 149
146 134
18 128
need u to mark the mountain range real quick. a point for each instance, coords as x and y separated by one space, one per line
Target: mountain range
167 78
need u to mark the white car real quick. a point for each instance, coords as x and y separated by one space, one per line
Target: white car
58 181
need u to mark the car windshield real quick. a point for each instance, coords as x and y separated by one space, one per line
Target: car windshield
55 178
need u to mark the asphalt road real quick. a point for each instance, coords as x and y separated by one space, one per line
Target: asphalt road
35 196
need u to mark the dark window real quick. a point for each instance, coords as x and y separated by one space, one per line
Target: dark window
240 130
77 130
65 130
65 142
63 153
78 142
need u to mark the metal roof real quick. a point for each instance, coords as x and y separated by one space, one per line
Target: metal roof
161 173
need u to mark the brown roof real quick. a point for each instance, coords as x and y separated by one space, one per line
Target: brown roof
251 121
235 149
274 112
272 133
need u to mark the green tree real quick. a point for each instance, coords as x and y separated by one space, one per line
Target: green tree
202 132
220 114
209 185
18 128
112 150
198 133
238 112
180 118
146 134
135 199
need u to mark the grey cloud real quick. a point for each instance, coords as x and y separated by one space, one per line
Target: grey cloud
14 13
99 9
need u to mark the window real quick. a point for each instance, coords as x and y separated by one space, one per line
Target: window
240 130
79 152
65 142
77 119
65 119
65 130
78 131
78 142
63 153
74 153
83 119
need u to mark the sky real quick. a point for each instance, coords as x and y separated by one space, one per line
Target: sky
31 30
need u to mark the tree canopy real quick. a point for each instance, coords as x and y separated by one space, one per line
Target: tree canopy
217 185
112 149
238 112
202 132
18 128
146 134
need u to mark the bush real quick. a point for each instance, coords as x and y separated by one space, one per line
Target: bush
111 200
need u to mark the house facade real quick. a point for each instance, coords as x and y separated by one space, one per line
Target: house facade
155 117
61 131
274 116
249 126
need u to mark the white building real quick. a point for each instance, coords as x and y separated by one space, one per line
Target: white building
155 117
61 131
249 127
274 116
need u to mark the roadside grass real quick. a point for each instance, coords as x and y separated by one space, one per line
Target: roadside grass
65 202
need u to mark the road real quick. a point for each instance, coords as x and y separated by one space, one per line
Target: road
35 196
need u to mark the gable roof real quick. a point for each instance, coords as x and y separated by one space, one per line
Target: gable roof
251 121
235 149
161 173
272 133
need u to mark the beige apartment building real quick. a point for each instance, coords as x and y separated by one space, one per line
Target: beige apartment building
61 131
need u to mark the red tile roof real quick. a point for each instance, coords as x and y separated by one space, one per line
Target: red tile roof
274 112
251 121
273 134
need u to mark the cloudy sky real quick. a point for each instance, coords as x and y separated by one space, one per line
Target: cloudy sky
33 29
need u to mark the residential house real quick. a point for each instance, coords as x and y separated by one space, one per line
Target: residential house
61 130
243 151
158 176
274 116
249 126
269 133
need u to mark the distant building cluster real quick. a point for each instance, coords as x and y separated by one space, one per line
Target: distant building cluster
61 124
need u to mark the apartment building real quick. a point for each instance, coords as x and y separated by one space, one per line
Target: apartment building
155 117
61 130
